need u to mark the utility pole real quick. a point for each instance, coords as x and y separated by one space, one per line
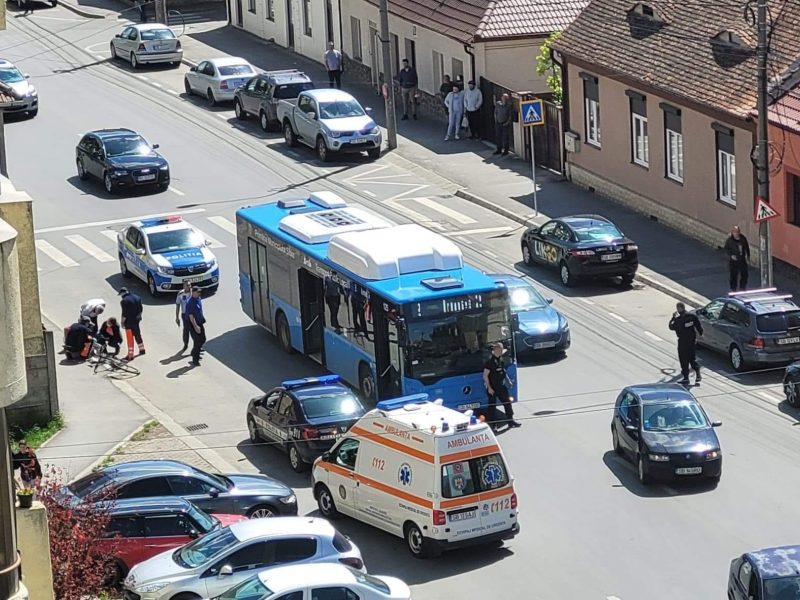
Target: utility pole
161 11
388 82
762 157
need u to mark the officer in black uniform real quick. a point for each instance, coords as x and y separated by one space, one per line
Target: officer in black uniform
494 378
686 326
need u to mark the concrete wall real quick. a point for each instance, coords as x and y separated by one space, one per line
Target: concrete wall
785 234
33 542
13 384
40 404
512 64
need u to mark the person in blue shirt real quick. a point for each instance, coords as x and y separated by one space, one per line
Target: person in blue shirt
194 312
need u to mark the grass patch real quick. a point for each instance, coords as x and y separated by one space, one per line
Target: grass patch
144 431
139 436
38 434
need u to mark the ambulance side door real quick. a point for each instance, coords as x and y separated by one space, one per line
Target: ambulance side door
342 478
378 470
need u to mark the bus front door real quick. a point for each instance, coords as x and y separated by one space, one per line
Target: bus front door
311 314
388 358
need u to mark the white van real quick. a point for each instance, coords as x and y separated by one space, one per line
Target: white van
419 470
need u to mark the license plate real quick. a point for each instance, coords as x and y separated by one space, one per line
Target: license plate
469 406
160 46
794 340
463 516
611 257
358 140
689 471
193 279
540 345
146 177
331 436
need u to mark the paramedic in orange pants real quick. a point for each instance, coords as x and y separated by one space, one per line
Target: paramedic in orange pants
131 320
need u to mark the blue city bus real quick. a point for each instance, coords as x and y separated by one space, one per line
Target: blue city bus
391 308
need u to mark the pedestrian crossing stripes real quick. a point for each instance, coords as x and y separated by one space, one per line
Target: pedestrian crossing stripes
54 253
224 223
88 247
436 205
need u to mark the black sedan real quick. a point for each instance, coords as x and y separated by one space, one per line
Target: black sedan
665 431
582 246
304 417
233 494
121 158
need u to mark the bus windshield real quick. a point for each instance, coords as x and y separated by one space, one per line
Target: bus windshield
453 336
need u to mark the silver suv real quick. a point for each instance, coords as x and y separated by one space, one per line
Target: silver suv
259 97
756 328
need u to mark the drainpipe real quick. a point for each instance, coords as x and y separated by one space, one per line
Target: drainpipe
565 120
467 49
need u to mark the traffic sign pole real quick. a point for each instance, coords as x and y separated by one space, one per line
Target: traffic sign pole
531 114
533 169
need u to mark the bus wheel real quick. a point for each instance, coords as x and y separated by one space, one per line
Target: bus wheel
284 337
366 382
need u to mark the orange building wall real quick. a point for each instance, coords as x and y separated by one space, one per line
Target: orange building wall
785 235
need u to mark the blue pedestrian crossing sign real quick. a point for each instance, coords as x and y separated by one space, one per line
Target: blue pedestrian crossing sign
531 113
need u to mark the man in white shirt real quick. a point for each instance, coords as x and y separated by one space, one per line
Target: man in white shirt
473 100
333 63
180 312
91 309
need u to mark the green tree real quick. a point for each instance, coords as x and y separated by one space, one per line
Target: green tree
546 67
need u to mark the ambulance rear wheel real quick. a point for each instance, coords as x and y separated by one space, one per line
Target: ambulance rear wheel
416 542
325 502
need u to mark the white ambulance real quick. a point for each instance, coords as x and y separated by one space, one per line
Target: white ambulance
424 472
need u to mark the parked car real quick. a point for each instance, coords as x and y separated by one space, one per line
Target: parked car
664 430
121 158
260 96
318 582
755 328
304 417
17 93
209 566
234 493
330 121
582 247
217 79
147 44
791 384
769 574
140 528
538 327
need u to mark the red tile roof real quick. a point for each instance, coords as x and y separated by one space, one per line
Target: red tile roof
786 111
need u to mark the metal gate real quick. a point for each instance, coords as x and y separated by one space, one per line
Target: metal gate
491 95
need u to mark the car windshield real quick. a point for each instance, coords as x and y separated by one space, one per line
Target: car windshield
205 521
673 416
474 475
249 589
89 484
778 322
291 90
200 551
334 404
228 70
177 239
129 145
525 298
369 580
157 34
595 231
340 109
783 588
11 75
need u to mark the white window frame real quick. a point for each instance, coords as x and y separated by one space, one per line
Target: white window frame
355 37
251 6
726 177
592 110
674 172
307 28
640 141
269 5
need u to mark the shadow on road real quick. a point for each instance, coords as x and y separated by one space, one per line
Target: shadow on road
272 461
625 472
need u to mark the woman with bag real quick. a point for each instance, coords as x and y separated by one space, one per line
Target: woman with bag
455 112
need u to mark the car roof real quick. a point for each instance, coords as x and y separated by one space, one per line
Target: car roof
766 303
147 505
329 95
4 62
287 76
283 526
583 219
136 469
509 280
148 26
227 60
660 393
104 134
285 578
313 391
781 561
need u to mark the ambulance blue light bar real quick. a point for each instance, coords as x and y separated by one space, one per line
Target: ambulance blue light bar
400 402
322 380
161 221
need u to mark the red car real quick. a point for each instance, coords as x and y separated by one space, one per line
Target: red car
140 528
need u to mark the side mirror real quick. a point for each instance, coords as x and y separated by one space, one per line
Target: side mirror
312 115
225 571
716 423
326 456
119 35
155 146
631 428
194 534
26 75
207 242
193 69
367 109
213 493
549 300
140 251
515 321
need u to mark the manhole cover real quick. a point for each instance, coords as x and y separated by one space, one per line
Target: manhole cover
197 427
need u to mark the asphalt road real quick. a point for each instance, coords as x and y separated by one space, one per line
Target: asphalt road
589 530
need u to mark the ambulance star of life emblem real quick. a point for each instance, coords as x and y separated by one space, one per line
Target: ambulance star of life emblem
404 474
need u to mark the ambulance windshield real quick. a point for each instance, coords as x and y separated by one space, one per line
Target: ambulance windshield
472 476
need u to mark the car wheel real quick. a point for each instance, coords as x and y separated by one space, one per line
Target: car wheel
644 477
366 382
123 267
374 153
187 87
322 149
263 120
615 441
527 257
566 275
262 511
288 135
238 110
736 359
297 462
186 596
792 393
327 507
113 51
284 335
134 61
108 183
151 285
416 541
82 174
210 97
253 430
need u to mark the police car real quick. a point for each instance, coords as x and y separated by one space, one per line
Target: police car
304 416
165 252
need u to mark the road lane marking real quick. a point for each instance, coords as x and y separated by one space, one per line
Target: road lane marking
224 223
413 215
173 92
368 193
116 221
142 77
110 234
57 255
490 253
613 598
770 397
214 243
155 83
653 336
98 57
175 190
479 231
88 247
617 317
222 116
445 210
362 175
585 300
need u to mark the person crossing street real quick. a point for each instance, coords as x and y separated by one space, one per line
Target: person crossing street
131 320
194 311
181 320
686 326
494 379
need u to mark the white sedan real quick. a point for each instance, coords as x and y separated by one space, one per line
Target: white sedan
145 44
317 582
218 78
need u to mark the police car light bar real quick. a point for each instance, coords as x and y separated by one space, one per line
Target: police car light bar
766 298
161 221
402 401
296 383
746 292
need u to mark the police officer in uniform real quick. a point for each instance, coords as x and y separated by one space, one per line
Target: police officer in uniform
131 306
494 378
686 326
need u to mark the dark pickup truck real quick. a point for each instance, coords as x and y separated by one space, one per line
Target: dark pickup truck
259 97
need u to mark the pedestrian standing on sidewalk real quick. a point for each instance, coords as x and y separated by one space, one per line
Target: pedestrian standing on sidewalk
91 309
333 62
473 100
30 467
142 6
738 250
444 89
455 112
131 320
494 379
194 310
686 326
408 81
504 119
180 313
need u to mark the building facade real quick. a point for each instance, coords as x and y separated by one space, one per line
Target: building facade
784 135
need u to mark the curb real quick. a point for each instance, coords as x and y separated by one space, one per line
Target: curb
80 11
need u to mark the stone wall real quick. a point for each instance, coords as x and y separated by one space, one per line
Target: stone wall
33 541
40 404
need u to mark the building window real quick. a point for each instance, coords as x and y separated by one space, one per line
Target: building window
355 35
270 6
726 165
251 6
438 69
673 142
640 146
394 43
307 17
794 217
591 104
411 52
458 70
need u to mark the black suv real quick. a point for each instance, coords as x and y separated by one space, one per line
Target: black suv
259 96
